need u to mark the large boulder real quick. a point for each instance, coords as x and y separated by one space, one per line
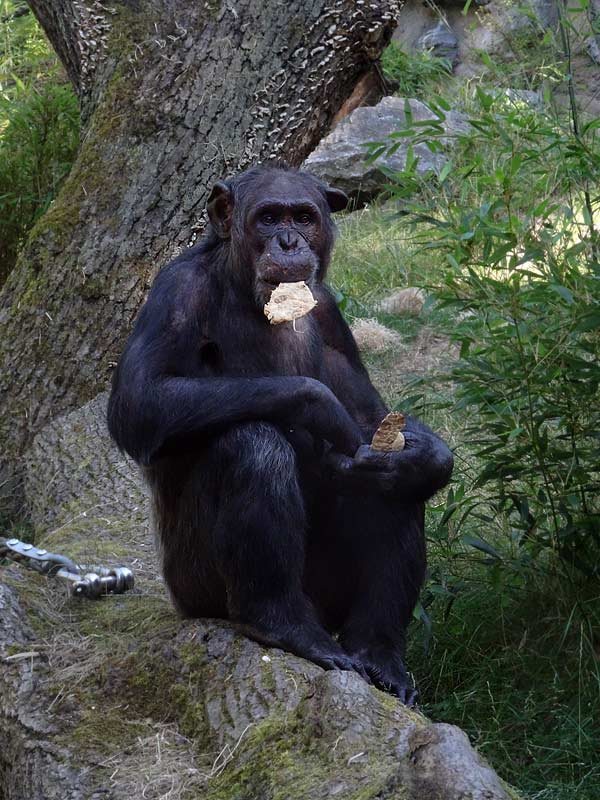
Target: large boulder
441 41
340 158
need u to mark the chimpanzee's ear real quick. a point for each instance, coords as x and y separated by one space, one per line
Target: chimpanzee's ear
337 199
220 209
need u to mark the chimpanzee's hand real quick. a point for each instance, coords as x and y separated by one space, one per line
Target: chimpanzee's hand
325 417
415 473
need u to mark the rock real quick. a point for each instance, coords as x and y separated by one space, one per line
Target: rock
440 41
545 12
524 97
404 301
340 158
372 336
496 28
592 44
504 26
593 49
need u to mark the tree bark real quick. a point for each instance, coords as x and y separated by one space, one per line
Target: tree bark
120 699
174 95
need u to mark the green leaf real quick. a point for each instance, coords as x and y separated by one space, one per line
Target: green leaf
588 322
486 100
442 102
447 168
479 544
565 293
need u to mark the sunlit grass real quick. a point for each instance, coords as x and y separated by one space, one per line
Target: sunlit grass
375 254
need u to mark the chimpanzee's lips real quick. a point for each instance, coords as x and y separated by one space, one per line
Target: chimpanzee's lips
286 268
304 272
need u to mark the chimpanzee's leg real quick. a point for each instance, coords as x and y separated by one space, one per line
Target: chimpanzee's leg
251 540
369 589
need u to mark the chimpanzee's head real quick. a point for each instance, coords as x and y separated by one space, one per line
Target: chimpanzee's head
278 225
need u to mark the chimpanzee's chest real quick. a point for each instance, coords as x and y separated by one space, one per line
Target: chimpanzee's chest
247 345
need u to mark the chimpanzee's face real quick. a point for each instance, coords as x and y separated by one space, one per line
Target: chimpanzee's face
283 228
279 224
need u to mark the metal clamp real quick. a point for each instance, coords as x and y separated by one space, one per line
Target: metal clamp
83 581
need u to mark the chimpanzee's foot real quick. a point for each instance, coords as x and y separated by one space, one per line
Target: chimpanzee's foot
307 640
385 667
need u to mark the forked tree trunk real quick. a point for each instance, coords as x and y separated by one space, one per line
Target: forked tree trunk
175 94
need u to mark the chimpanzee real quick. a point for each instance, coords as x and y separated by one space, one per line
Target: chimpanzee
271 508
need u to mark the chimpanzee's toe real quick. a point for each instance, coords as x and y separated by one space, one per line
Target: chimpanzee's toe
333 657
309 641
393 680
387 672
355 665
405 692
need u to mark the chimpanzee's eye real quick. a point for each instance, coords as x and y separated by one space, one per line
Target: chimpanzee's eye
304 219
267 219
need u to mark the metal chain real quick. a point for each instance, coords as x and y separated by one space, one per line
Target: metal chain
83 581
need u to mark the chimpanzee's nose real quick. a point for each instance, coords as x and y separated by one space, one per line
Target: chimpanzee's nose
288 240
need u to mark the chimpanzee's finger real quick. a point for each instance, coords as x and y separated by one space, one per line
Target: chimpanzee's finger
352 475
368 459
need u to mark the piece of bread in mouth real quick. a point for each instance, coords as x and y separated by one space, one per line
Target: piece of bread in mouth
288 302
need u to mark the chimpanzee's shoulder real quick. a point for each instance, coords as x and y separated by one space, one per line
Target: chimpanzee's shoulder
187 274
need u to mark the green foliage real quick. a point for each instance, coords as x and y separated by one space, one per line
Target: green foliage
508 641
514 222
25 53
415 74
39 131
36 151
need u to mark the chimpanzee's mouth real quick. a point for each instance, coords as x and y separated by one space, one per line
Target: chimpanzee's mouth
271 283
283 268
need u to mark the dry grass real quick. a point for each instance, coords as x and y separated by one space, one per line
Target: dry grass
160 766
374 337
407 301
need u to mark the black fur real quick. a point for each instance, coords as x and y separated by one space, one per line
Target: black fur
270 508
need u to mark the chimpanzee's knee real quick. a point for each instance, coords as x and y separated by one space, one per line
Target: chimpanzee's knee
255 457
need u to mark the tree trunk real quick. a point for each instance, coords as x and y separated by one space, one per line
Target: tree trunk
119 699
175 94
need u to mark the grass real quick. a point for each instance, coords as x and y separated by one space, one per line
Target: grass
516 671
375 255
39 129
415 74
512 655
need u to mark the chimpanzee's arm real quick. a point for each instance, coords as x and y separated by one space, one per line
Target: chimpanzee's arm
162 392
417 472
344 371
